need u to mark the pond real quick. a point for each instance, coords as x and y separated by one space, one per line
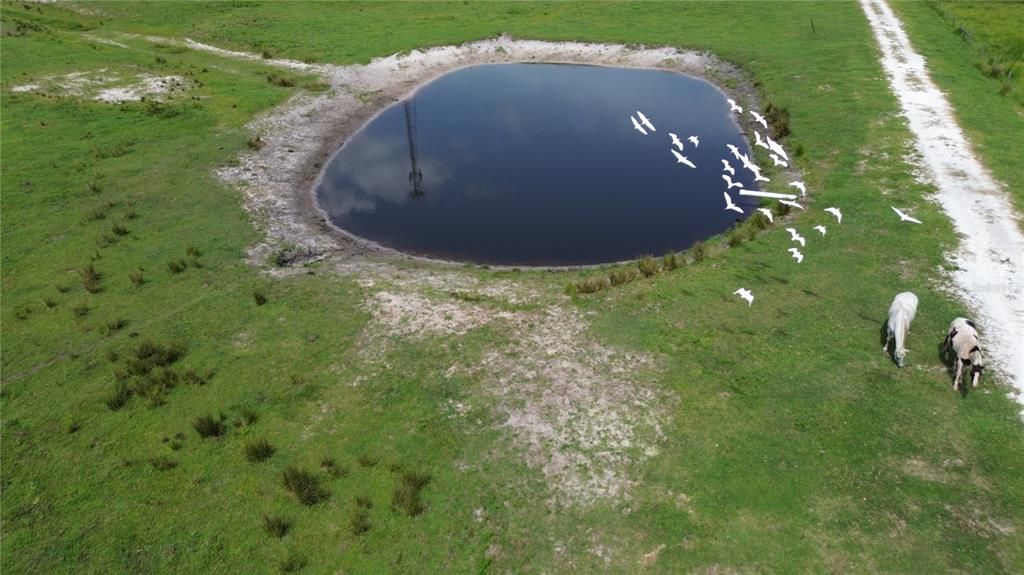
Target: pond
540 164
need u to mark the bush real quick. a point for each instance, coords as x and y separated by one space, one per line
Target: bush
276 526
736 237
136 278
118 397
90 278
670 262
778 119
591 285
304 485
259 297
648 266
208 427
698 251
622 276
163 463
259 450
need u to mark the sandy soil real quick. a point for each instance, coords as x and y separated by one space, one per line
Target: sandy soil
109 86
989 275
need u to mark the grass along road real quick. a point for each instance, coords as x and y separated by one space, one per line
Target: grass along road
783 440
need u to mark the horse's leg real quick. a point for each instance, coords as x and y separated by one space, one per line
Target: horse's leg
959 372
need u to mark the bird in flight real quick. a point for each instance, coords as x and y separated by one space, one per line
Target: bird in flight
799 257
835 212
676 141
695 140
775 147
791 204
745 294
796 237
758 177
760 119
637 126
758 141
727 167
681 159
778 161
904 217
731 184
647 123
821 229
767 213
731 206
733 107
800 186
735 151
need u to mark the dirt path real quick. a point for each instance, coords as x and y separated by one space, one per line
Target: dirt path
990 259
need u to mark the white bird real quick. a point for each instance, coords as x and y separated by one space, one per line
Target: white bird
637 126
775 147
676 141
767 213
745 294
681 159
778 161
821 229
735 151
800 186
835 212
799 257
791 204
727 167
731 184
647 123
758 177
904 217
695 140
745 160
733 107
760 119
793 236
729 205
758 141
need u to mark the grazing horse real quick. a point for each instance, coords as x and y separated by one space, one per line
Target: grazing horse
963 340
901 313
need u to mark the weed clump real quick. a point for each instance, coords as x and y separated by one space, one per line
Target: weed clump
259 297
259 450
90 278
648 266
622 276
177 266
592 285
367 461
406 495
118 397
304 485
207 426
331 467
163 463
778 119
360 522
293 563
136 278
276 526
670 262
736 237
698 251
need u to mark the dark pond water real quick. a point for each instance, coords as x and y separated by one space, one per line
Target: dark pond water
539 164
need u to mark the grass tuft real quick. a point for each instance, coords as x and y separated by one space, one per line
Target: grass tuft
90 278
207 426
331 467
360 521
406 495
367 461
259 297
118 397
698 251
304 485
622 276
177 266
163 463
293 563
648 266
276 526
259 450
136 278
670 262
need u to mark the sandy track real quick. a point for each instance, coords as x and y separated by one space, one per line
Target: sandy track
990 258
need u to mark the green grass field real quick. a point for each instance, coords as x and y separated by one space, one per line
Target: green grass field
789 443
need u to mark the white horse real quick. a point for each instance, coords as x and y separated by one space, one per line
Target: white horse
964 341
901 313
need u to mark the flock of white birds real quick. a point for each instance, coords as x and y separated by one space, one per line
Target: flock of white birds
643 124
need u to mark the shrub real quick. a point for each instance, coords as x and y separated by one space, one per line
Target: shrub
118 397
648 266
406 496
698 250
259 450
669 262
136 278
778 118
259 297
276 526
90 278
360 522
176 266
208 427
304 485
622 276
293 563
591 285
331 467
735 237
163 463
760 221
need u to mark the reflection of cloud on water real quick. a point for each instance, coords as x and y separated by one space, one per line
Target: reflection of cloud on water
375 169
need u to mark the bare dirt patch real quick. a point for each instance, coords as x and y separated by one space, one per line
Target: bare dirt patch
108 86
